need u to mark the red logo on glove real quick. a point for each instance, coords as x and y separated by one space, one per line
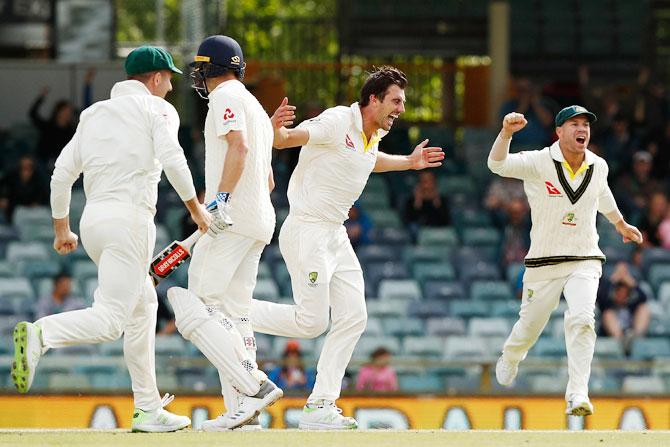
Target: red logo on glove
228 114
552 190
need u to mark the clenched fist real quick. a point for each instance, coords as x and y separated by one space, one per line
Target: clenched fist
513 122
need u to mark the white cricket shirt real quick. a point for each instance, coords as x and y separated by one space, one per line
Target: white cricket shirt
121 145
334 165
563 205
232 107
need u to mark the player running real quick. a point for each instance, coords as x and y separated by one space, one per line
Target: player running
121 146
566 185
238 177
339 153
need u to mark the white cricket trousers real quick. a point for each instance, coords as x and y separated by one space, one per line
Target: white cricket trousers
326 278
120 240
223 274
539 299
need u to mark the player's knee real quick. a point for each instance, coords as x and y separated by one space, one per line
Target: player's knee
189 312
581 321
314 326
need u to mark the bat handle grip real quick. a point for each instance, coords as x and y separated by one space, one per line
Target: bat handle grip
191 240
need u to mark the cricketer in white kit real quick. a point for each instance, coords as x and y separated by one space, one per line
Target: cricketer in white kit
340 150
121 146
566 185
222 274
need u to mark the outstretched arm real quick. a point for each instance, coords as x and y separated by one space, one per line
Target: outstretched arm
422 157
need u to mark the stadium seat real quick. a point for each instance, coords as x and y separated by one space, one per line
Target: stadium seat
443 290
490 290
489 327
170 345
38 268
84 270
649 348
548 347
420 383
386 308
427 271
507 309
266 289
465 348
468 308
658 273
372 253
402 327
25 251
426 346
412 254
119 381
36 232
112 348
385 218
68 381
478 270
16 288
484 236
282 279
375 272
652 256
608 348
437 236
428 308
643 385
24 215
376 183
547 384
471 218
366 345
399 289
264 270
604 385
445 326
7 269
374 200
464 384
389 236
166 380
198 382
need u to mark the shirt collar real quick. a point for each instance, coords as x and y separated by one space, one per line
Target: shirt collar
358 121
556 154
129 87
227 82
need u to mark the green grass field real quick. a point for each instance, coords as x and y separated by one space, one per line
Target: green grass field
361 438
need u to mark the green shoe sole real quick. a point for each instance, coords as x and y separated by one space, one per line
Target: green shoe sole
20 370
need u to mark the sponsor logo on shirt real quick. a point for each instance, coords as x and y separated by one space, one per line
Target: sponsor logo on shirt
349 144
552 190
228 114
312 278
570 220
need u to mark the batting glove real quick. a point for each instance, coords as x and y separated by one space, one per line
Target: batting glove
220 210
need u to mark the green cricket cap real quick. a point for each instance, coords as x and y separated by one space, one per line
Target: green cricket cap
572 111
146 59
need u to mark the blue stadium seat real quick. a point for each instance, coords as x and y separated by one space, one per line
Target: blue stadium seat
483 236
604 385
374 200
266 289
416 254
84 270
469 218
366 345
119 381
16 287
608 348
465 348
428 308
385 218
489 327
59 381
375 272
443 290
427 271
399 289
643 385
652 256
426 346
649 348
38 268
307 347
506 309
33 215
386 308
445 326
170 345
374 327
548 347
282 279
402 327
437 236
548 384
658 273
416 383
24 251
389 236
468 308
478 270
491 290
7 269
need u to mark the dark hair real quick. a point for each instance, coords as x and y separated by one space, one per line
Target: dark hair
379 81
379 352
61 275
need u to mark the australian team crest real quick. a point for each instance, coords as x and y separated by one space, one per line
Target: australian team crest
313 277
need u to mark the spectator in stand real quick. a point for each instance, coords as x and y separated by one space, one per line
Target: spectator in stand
358 226
427 207
378 375
60 299
664 230
623 306
500 191
24 186
618 144
652 218
634 188
516 232
651 107
56 131
538 111
292 374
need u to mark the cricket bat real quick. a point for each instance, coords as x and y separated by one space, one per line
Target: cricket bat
172 257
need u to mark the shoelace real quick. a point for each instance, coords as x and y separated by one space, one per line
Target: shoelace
166 400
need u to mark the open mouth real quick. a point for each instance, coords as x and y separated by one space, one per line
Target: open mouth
581 140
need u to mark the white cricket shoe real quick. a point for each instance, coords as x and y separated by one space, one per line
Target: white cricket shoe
249 408
27 354
253 425
325 415
160 420
506 371
579 406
